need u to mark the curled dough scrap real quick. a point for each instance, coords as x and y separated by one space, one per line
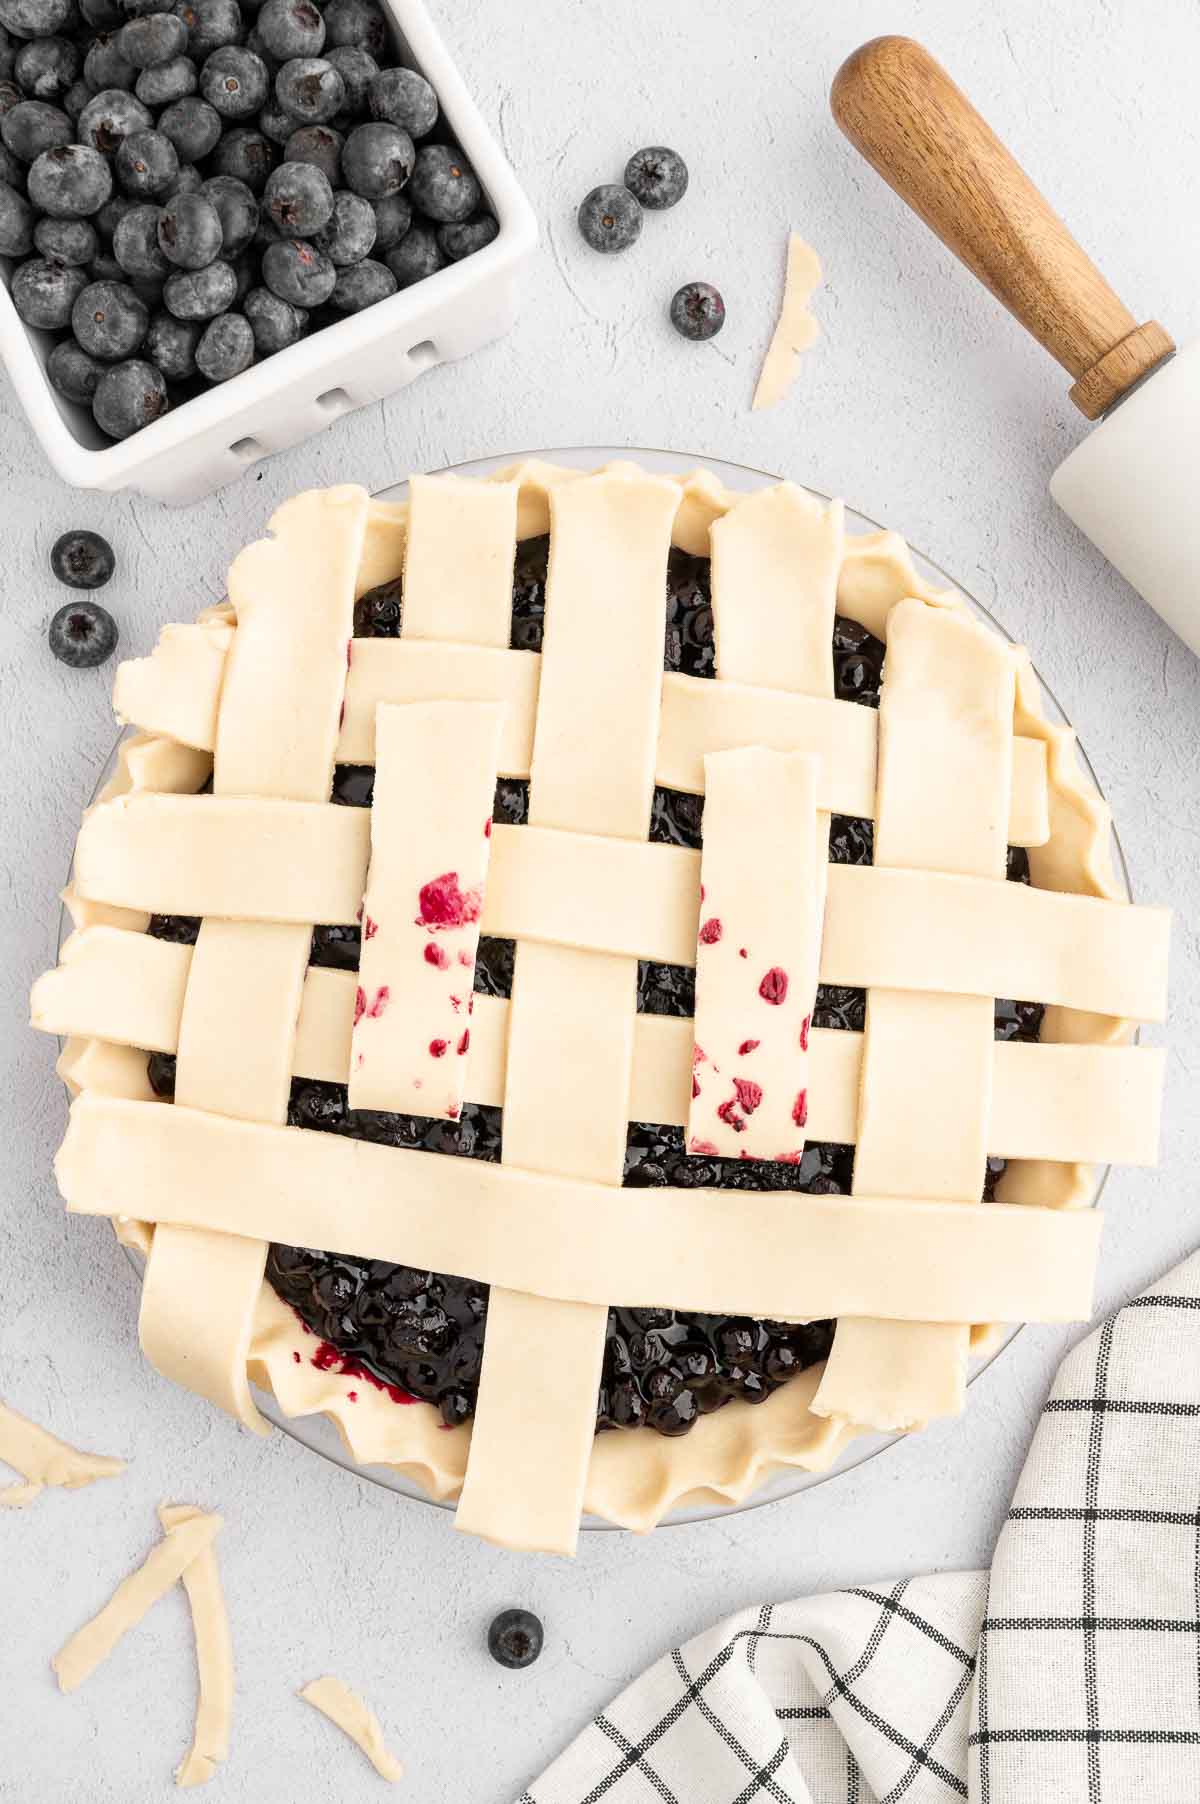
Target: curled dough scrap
796 331
43 1460
214 1656
355 1719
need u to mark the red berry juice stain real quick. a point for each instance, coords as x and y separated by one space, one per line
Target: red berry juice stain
742 952
373 1009
452 1112
727 1112
465 1042
804 1027
487 827
360 1004
370 928
466 960
352 1396
438 1048
296 1357
788 1158
327 1358
703 1146
774 986
747 1046
436 957
698 1056
711 931
695 1086
800 1109
749 1094
443 904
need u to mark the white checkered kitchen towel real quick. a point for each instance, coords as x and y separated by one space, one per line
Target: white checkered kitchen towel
1068 1675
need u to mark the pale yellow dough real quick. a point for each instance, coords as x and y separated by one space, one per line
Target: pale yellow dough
347 1711
43 1460
797 331
214 1656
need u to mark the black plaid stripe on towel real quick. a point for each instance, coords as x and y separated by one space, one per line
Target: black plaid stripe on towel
1071 1675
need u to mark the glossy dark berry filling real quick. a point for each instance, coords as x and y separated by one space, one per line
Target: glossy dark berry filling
420 1334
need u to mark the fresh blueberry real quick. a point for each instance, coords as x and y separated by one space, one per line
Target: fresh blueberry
156 38
166 82
319 145
356 68
298 272
16 223
44 292
110 117
193 127
361 285
146 164
235 81
102 15
35 18
291 28
33 126
402 97
73 374
275 323
350 233
393 216
200 293
238 212
46 67
459 241
76 98
82 560
610 218
359 23
136 247
226 348
248 155
188 180
444 185
657 177
310 89
112 213
83 634
417 255
171 346
74 241
189 231
272 64
210 25
137 9
275 123
515 1639
298 198
245 269
109 321
378 160
104 67
697 310
70 182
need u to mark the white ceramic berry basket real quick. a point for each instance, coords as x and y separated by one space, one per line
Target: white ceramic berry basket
211 439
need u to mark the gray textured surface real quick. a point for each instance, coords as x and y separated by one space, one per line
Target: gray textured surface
925 407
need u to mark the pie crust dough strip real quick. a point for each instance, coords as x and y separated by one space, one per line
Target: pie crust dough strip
945 772
571 1018
163 1566
347 1711
568 1238
43 1460
294 596
1099 1103
797 331
420 920
763 869
214 1656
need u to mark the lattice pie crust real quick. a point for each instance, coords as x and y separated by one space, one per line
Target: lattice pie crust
957 763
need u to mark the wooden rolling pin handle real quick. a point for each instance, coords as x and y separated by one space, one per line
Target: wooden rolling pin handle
912 124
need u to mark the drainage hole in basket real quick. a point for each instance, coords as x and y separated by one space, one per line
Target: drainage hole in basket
334 400
248 449
424 355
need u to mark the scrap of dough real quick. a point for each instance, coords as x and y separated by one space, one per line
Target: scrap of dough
214 1656
796 331
341 1706
42 1459
131 1600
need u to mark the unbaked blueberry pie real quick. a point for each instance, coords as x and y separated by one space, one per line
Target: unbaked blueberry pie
601 984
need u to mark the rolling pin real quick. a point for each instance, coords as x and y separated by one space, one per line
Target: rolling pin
1133 485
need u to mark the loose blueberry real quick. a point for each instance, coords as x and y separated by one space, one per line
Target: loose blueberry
226 348
393 216
310 89
237 210
136 247
200 293
171 346
298 272
73 241
166 82
73 374
109 321
275 123
189 231
459 241
70 182
235 81
291 28
46 67
361 285
417 255
210 25
108 119
610 218
319 145
35 18
146 164
404 98
43 292
298 198
350 232
83 634
356 68
104 67
444 185
156 38
356 22
76 98
697 310
193 127
33 126
657 177
16 223
515 1639
248 155
82 560
378 160
275 323
128 397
